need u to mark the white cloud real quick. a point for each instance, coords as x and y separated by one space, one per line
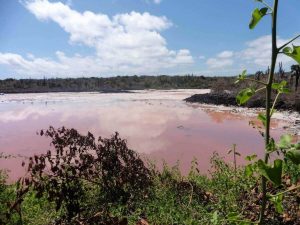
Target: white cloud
124 44
157 1
31 65
256 56
222 60
259 51
218 63
225 54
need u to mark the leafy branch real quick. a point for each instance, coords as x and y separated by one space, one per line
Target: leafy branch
270 173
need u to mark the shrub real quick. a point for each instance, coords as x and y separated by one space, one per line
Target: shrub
86 178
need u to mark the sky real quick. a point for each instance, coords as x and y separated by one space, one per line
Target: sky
103 38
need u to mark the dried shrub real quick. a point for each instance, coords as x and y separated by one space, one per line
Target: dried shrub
79 165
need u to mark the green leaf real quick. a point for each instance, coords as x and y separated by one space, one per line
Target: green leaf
241 76
262 118
215 218
285 90
277 86
235 218
280 87
257 15
244 73
250 157
273 173
248 170
244 223
285 141
244 95
271 147
283 83
277 201
293 52
294 156
233 215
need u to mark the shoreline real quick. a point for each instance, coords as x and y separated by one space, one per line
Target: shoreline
286 109
285 102
292 118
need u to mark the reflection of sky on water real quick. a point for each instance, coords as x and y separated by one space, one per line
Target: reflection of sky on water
158 124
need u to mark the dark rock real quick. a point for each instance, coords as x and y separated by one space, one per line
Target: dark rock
229 99
213 98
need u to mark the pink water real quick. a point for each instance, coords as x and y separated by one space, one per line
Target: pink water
157 124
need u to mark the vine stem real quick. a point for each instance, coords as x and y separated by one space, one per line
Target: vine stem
274 103
241 221
286 191
268 109
266 4
289 42
257 81
260 89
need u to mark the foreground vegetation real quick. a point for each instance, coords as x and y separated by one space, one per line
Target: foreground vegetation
84 180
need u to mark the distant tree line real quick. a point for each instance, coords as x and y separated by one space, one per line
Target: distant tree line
118 83
105 84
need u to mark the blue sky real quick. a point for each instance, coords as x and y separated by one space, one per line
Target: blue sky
75 38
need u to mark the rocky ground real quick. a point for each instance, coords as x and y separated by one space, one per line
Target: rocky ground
286 110
257 101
